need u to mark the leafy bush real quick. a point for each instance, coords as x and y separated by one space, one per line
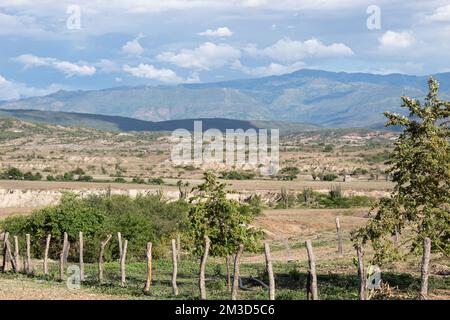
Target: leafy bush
329 177
142 219
16 174
288 173
237 175
158 181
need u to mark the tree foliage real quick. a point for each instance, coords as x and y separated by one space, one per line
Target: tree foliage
225 221
420 169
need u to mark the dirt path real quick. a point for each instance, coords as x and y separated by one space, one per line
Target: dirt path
29 289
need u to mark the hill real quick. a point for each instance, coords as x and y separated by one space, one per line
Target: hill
117 123
307 96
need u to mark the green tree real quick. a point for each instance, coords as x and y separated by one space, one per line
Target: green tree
225 221
420 169
288 173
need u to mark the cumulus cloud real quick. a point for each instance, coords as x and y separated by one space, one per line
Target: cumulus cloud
441 14
68 68
269 70
219 32
392 40
107 66
19 25
133 47
287 50
150 72
207 56
11 90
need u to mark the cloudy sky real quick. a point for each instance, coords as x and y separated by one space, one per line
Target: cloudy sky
48 45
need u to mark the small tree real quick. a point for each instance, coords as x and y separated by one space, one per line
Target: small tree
226 222
420 169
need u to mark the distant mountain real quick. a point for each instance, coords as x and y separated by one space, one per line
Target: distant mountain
116 123
307 96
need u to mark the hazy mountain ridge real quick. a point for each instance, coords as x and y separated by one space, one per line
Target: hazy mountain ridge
117 123
308 96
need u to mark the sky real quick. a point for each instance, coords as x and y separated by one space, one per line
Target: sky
51 45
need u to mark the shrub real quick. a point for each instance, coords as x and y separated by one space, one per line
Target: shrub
329 177
237 175
288 173
158 181
142 219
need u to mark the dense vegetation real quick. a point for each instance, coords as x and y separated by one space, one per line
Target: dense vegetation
141 219
420 169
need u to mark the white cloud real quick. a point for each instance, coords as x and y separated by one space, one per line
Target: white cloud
205 57
19 25
150 72
287 50
107 66
441 14
392 40
11 90
269 70
66 67
133 47
219 32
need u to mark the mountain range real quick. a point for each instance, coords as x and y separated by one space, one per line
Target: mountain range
308 96
125 124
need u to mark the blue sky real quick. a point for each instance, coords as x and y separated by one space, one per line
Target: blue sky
146 42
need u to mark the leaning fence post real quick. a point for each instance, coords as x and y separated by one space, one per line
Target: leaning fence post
119 239
47 247
339 237
424 268
6 256
234 289
270 272
201 281
227 261
81 244
16 254
100 258
361 272
149 267
62 257
312 271
122 264
29 267
175 268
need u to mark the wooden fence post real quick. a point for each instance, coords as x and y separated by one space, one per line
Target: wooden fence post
227 261
312 272
62 257
174 268
47 248
149 267
270 272
424 268
201 278
6 256
29 266
81 245
16 254
234 289
119 239
100 258
361 272
339 237
122 264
